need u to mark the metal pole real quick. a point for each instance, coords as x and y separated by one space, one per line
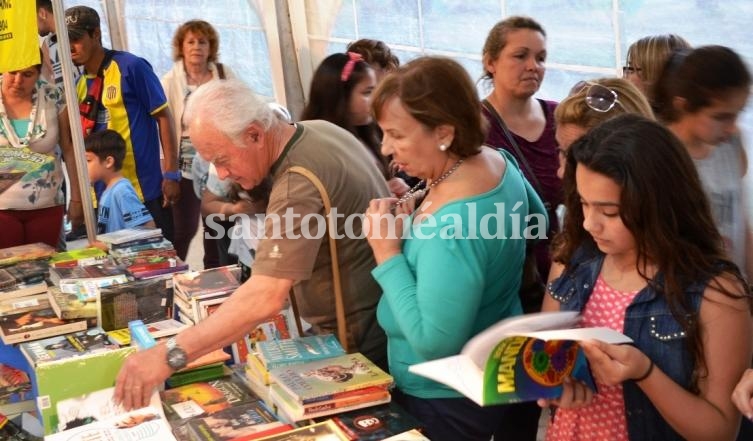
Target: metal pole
71 99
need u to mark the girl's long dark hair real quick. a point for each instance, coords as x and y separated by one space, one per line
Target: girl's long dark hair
329 99
664 207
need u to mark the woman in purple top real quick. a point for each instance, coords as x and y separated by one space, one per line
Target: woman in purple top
514 55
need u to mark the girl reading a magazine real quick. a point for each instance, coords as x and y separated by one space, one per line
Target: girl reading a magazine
647 261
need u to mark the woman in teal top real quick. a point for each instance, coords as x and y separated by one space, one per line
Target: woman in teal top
457 268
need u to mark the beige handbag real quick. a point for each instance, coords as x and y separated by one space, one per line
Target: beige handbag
342 328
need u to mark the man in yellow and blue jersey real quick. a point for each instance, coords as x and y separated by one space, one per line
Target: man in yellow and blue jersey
133 104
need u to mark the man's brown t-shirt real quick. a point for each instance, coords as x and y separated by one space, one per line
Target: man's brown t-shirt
349 174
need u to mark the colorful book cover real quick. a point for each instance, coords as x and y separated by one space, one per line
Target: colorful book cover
244 422
205 398
84 280
512 362
376 423
146 300
71 306
324 431
278 353
94 372
216 280
323 379
294 411
75 344
15 385
279 327
32 251
35 325
79 257
29 272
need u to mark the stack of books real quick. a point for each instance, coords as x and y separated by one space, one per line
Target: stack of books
23 273
197 294
328 386
270 354
143 252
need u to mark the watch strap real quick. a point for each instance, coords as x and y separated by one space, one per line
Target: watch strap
172 175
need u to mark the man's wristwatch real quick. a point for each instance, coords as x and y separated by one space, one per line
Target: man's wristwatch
172 175
177 358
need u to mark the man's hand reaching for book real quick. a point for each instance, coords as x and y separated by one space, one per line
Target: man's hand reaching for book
141 373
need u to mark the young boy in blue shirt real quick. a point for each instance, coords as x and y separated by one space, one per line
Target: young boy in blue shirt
119 207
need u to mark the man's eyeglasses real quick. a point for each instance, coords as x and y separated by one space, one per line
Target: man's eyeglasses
599 98
630 70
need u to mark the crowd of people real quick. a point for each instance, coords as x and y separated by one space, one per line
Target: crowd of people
627 195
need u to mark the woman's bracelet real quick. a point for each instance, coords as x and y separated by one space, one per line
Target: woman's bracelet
647 374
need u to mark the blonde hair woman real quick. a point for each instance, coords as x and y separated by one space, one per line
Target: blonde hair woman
646 58
591 103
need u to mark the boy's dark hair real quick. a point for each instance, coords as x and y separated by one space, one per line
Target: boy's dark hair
107 143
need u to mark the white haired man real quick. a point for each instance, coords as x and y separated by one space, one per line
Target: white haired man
237 132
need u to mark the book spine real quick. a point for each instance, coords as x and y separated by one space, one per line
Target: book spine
340 395
346 401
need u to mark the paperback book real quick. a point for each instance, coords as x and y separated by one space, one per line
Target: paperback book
75 344
26 303
79 257
73 377
520 359
71 306
128 235
35 325
287 352
376 423
95 417
238 423
224 279
324 380
29 272
15 385
84 280
324 431
32 251
292 410
147 300
205 398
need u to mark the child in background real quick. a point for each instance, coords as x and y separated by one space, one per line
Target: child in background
119 206
648 262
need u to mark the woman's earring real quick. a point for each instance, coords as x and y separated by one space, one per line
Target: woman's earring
443 147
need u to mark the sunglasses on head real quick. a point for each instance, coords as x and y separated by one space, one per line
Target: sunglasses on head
599 98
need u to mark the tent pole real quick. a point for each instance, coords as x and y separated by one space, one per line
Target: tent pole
71 99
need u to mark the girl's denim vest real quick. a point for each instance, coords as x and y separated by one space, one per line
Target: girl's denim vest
649 322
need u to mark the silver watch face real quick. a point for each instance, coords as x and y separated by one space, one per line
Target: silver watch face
176 358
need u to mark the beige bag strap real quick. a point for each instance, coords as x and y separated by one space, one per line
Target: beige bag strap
342 329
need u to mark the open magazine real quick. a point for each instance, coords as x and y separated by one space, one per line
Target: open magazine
522 358
96 417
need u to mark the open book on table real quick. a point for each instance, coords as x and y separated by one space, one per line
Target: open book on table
522 358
